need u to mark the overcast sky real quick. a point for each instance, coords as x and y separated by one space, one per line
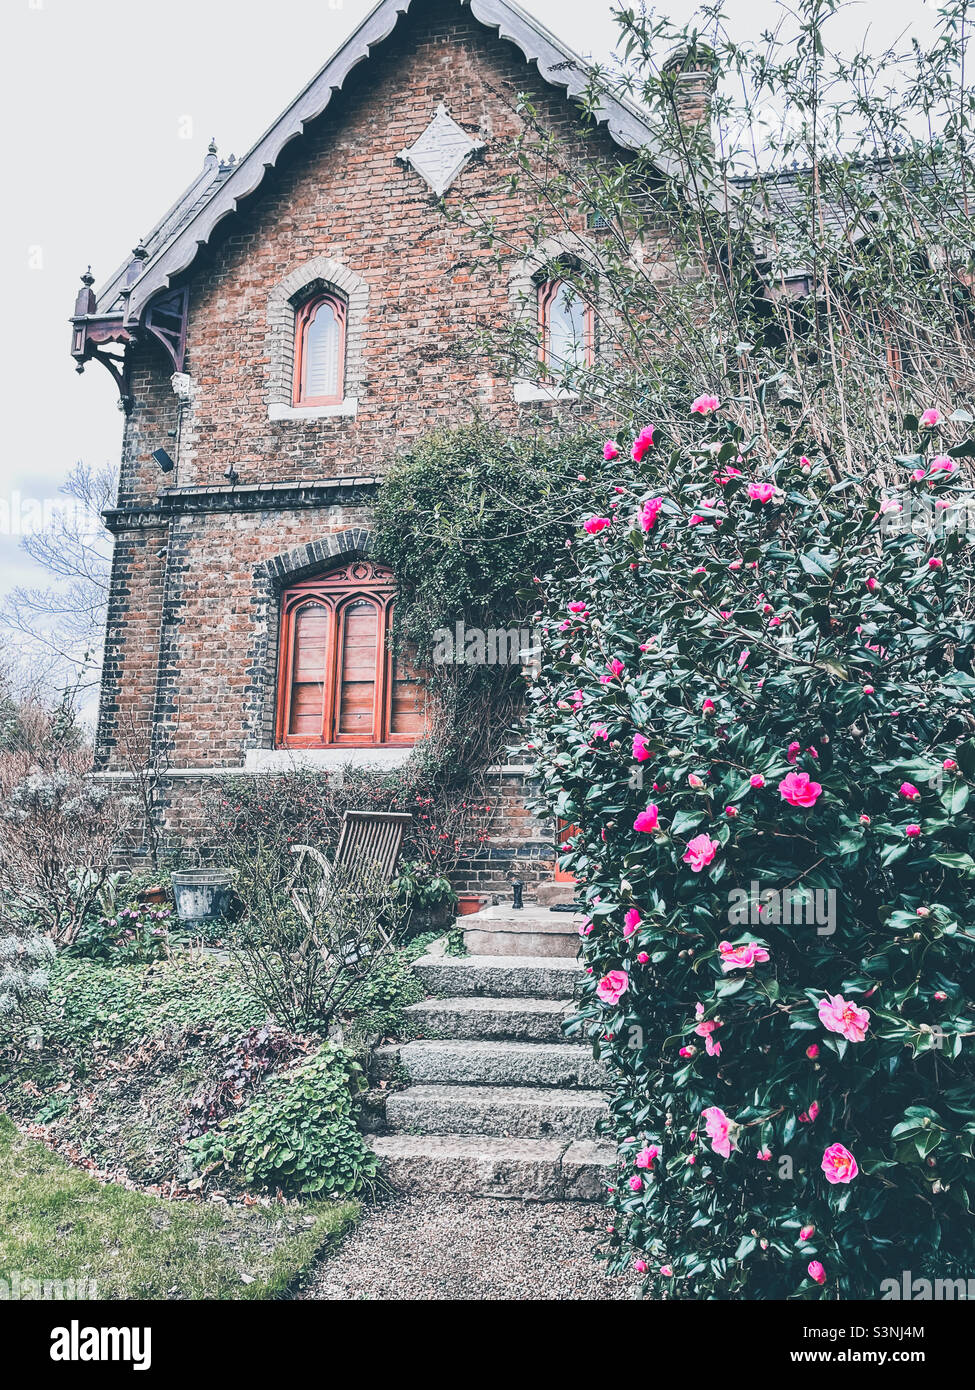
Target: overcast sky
110 105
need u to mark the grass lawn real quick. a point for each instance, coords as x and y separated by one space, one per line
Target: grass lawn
57 1223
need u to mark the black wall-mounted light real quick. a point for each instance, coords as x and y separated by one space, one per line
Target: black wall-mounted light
163 459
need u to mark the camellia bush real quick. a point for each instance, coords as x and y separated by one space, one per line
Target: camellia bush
753 711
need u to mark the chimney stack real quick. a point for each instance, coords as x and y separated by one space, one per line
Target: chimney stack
693 70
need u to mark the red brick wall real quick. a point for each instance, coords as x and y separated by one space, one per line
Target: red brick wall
192 627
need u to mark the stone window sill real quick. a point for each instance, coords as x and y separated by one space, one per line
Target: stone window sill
528 391
323 759
350 406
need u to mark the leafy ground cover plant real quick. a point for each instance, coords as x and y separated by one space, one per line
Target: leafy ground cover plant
754 702
299 1135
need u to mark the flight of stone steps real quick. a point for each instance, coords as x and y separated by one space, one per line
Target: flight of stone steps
498 1102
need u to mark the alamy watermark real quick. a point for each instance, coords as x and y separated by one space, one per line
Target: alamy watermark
787 907
493 646
16 1287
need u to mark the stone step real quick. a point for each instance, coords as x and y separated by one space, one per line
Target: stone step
508 977
530 931
540 1170
469 1063
551 893
519 1112
524 1020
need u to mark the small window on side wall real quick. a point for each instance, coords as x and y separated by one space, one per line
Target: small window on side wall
320 351
567 327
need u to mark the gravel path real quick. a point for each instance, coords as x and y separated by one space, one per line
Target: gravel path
427 1248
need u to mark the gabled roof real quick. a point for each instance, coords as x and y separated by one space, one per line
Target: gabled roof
174 243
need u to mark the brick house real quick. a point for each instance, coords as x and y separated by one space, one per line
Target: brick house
291 320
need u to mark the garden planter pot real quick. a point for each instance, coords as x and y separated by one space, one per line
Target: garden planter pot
468 903
156 896
202 895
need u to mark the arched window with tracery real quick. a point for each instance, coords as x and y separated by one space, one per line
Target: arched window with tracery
567 326
320 351
339 681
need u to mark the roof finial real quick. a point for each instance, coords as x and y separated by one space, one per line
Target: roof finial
87 278
212 147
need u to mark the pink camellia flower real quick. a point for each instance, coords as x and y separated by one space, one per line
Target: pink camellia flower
918 474
642 443
687 1051
761 492
640 1266
764 1155
719 1130
756 780
694 781
643 957
631 921
610 451
708 707
743 956
599 731
726 475
839 1165
912 832
843 1016
864 820
612 986
804 464
940 995
949 764
615 667
594 524
935 564
649 512
586 928
930 418
666 1271
908 790
635 1183
922 912
704 405
816 1272
648 819
868 690
640 750
577 606
799 790
743 657
645 1157
792 753
814 1110
872 583
700 851
807 1232
731 811
941 463
812 1051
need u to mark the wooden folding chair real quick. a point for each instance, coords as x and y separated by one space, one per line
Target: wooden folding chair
367 840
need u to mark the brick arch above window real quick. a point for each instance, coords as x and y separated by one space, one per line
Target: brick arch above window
321 275
532 290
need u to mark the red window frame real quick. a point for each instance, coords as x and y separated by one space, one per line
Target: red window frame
547 292
336 592
303 321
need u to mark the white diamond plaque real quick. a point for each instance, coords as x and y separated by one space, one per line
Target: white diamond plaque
441 152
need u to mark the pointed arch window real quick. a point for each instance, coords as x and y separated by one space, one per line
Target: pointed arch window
567 326
320 351
340 684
